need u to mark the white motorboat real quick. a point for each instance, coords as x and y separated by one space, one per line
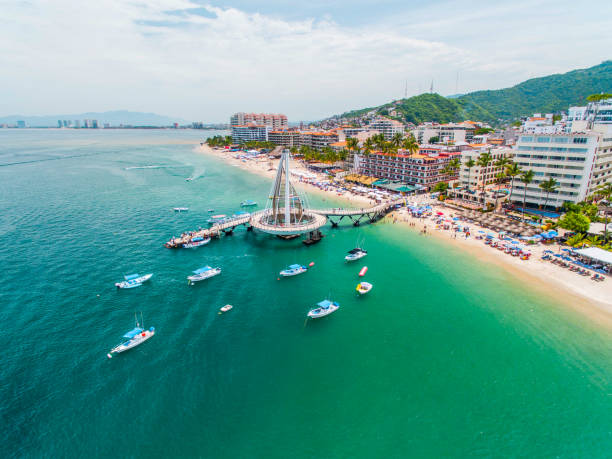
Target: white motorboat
293 270
364 287
203 273
355 254
248 203
180 209
225 308
196 242
133 338
325 308
133 280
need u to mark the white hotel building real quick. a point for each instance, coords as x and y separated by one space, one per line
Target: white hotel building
578 161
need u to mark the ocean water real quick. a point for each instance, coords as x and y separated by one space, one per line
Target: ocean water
445 357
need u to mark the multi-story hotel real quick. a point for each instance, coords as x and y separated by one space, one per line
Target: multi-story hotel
418 169
388 127
446 133
571 159
274 120
480 176
285 138
318 140
246 133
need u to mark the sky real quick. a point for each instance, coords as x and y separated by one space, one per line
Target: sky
202 61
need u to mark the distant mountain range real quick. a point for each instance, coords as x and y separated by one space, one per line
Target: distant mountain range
546 94
114 118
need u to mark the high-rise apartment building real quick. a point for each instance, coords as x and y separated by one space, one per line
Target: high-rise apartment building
275 121
388 127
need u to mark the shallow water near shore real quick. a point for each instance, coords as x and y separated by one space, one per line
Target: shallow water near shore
446 356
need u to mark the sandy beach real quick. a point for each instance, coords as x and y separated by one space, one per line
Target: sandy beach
580 293
593 299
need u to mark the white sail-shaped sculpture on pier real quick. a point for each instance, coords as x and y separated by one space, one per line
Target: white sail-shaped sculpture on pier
286 211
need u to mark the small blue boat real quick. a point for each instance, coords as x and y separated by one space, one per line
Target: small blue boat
133 280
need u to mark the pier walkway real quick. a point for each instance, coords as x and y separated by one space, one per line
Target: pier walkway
254 220
356 215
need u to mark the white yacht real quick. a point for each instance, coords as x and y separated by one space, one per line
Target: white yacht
133 338
355 254
203 273
325 308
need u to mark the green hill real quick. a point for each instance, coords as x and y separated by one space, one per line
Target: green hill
547 94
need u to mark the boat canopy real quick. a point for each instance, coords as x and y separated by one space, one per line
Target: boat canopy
295 266
132 333
202 270
131 276
325 304
357 250
197 239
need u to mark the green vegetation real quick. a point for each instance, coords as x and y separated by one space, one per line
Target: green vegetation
575 221
256 144
440 187
481 131
548 94
219 141
325 155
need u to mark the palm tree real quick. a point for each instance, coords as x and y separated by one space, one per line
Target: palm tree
410 144
512 170
548 185
397 139
526 178
605 191
368 146
469 164
499 179
454 165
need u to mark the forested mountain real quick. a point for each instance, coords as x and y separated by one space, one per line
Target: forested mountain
546 94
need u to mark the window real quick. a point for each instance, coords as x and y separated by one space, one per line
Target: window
580 140
526 139
543 139
561 140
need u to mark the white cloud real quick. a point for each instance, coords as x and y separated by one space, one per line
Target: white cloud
167 57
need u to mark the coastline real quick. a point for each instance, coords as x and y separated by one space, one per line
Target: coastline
592 299
581 294
267 168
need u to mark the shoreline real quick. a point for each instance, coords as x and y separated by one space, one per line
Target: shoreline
581 294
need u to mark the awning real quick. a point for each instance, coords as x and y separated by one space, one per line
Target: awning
595 253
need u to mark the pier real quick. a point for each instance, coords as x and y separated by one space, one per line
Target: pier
287 215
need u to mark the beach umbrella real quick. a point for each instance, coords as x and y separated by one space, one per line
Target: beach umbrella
558 255
566 250
480 231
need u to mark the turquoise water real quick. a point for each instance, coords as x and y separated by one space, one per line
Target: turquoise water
446 357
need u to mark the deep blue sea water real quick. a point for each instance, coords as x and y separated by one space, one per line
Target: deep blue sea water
446 357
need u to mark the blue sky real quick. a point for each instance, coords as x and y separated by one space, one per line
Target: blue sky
204 60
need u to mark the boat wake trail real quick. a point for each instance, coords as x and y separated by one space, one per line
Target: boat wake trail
152 166
197 173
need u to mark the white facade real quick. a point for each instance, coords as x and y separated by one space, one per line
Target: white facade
275 121
241 134
568 158
446 133
477 176
388 127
